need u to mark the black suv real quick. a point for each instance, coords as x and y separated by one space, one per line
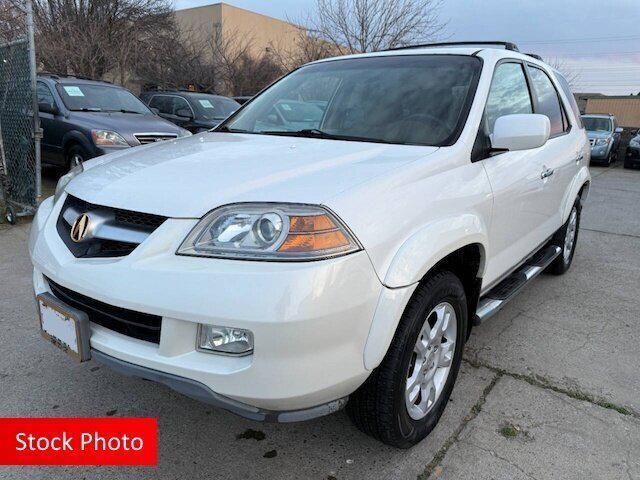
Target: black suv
196 112
82 119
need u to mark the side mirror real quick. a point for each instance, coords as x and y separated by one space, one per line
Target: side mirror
184 113
51 108
155 111
619 130
520 132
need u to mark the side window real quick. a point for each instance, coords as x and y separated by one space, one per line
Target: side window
162 103
548 101
566 89
180 103
508 95
44 94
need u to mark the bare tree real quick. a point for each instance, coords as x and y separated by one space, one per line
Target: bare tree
242 70
571 74
307 47
12 21
356 26
93 37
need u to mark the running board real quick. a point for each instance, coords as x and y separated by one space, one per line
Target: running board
499 296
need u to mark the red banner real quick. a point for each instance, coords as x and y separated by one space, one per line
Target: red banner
78 441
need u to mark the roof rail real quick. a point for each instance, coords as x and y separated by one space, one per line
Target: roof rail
507 45
534 55
58 76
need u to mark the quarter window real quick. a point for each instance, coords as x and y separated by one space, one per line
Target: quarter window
548 102
508 95
180 103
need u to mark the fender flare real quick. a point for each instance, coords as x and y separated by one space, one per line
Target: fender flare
582 179
433 242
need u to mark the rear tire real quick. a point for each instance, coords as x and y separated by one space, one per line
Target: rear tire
566 238
395 404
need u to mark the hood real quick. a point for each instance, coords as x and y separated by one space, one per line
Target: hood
126 124
193 175
598 134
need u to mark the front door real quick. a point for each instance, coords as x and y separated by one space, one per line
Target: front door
518 212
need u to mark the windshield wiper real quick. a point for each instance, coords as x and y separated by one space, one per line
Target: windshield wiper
87 109
123 110
316 133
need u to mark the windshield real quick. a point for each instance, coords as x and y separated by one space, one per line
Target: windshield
210 107
405 99
100 98
595 124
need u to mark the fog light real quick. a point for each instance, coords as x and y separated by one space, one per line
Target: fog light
225 340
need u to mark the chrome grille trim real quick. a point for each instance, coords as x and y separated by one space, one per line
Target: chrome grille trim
152 137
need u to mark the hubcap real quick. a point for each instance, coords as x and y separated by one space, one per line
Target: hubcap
570 236
431 360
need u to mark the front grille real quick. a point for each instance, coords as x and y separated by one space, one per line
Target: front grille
145 138
142 326
144 223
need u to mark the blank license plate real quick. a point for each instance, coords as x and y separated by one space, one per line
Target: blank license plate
65 327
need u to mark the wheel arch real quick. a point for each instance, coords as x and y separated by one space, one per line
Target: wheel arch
73 138
466 262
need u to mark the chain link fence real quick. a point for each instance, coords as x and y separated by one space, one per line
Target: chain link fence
19 139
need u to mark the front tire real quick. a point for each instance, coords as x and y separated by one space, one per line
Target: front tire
76 156
566 238
404 397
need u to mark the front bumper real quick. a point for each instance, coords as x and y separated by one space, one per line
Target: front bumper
600 152
633 155
310 320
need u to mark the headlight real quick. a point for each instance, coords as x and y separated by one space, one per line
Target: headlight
635 142
603 141
263 231
106 138
65 179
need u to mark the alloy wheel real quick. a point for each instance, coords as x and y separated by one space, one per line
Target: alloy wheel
570 235
431 360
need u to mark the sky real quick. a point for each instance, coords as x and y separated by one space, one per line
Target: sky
597 40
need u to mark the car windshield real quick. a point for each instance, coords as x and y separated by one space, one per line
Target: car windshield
597 124
100 98
404 99
211 107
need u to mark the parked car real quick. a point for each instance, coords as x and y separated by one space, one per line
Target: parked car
82 119
195 112
604 137
632 156
285 273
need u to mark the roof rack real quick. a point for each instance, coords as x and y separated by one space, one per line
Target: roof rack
534 55
507 45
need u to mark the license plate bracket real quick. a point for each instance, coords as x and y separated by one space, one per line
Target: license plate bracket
72 338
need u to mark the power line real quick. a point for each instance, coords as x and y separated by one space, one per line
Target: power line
579 40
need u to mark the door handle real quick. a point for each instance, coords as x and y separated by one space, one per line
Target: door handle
579 158
546 173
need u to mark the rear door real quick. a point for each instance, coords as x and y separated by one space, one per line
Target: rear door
518 213
559 156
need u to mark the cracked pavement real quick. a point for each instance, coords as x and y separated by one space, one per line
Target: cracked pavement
558 369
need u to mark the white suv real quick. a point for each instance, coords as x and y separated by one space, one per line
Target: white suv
330 244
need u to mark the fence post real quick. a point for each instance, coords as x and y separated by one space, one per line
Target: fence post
37 132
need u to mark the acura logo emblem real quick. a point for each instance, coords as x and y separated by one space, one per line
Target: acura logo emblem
80 228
